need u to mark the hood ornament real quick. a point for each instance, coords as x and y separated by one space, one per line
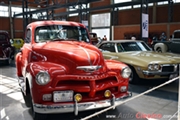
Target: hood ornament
88 68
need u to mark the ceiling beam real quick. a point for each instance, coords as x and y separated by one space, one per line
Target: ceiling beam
136 2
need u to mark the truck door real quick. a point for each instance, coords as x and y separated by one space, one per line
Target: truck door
26 50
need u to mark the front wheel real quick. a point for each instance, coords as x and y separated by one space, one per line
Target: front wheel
8 61
159 50
134 78
38 116
27 99
35 115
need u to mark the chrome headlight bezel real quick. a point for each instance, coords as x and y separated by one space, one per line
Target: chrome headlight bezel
126 72
42 78
154 67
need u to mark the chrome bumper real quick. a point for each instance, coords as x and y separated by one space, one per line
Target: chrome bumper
76 107
3 58
158 73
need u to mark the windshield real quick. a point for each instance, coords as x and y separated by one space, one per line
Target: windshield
3 37
59 32
177 34
132 46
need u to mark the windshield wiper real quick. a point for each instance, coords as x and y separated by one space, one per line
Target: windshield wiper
58 39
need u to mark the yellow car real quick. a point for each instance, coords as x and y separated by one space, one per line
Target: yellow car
144 62
17 42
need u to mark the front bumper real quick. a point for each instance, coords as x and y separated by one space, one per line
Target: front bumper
158 73
3 59
76 107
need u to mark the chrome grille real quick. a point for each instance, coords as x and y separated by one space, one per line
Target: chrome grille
168 69
90 88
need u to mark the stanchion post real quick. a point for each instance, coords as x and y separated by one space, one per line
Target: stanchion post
179 96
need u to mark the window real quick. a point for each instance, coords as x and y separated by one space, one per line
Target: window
176 1
108 47
60 32
177 34
100 24
16 10
76 7
132 46
101 32
3 37
4 11
162 3
122 1
28 36
100 20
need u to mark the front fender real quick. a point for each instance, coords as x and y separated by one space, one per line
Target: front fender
18 64
115 65
34 68
52 68
162 46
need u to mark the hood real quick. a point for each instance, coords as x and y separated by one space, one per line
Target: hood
70 54
141 58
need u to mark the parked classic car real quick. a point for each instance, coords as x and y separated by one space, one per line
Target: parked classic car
59 71
168 46
17 43
144 62
6 50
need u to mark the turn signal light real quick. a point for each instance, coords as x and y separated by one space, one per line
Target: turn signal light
107 93
78 97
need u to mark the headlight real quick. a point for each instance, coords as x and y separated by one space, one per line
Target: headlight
150 67
126 72
154 67
42 78
175 67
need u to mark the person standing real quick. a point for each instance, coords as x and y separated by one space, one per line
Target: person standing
104 38
163 37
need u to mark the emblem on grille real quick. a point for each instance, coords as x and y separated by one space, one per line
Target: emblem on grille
89 68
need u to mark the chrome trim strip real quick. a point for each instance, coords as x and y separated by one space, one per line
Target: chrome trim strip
89 58
72 107
89 68
3 58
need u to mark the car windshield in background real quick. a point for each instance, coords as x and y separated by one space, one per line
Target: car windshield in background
59 32
3 37
132 46
177 34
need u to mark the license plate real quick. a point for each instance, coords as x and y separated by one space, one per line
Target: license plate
63 96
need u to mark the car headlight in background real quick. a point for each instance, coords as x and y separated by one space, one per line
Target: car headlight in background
155 67
42 78
150 67
175 67
126 72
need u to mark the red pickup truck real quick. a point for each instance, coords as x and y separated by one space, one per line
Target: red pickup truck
59 71
6 50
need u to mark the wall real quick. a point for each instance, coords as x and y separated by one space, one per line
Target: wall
18 28
5 24
158 28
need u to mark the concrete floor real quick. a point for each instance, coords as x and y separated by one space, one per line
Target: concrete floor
163 101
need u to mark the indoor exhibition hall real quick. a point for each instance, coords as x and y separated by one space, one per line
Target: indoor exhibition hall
89 59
